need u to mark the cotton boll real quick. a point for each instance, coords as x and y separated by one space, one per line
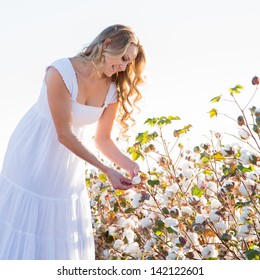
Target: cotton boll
243 217
112 230
130 235
118 244
223 152
175 254
146 222
136 200
128 223
151 202
175 212
106 253
129 194
201 181
133 249
245 156
214 216
250 210
193 200
211 189
121 221
152 216
170 191
103 198
185 185
159 198
221 226
247 212
200 219
245 187
171 222
186 211
186 165
244 134
136 180
193 238
149 245
203 200
209 252
215 204
244 231
172 255
188 173
253 176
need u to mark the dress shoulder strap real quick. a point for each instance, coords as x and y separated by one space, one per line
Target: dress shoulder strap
112 95
66 70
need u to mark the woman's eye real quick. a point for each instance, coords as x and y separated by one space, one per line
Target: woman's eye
124 58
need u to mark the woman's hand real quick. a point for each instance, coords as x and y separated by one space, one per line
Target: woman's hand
133 169
118 180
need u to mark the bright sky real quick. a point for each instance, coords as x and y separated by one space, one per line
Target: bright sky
196 49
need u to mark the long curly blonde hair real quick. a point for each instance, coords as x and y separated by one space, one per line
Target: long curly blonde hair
127 82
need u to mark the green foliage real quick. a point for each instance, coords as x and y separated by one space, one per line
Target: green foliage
216 99
102 177
213 112
252 254
195 190
237 89
161 121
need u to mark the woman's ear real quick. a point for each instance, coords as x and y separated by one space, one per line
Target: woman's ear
107 42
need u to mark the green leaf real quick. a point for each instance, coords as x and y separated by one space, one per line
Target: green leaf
196 149
146 137
160 224
157 231
205 159
165 211
256 129
213 113
161 121
240 204
257 119
197 191
218 156
135 153
185 129
151 121
153 182
237 89
175 118
216 99
102 177
252 254
244 169
171 230
129 210
207 172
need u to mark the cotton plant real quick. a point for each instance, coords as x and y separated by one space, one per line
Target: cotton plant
200 203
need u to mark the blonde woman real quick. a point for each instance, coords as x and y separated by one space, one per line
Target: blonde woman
44 206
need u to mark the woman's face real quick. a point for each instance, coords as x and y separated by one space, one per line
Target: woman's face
113 65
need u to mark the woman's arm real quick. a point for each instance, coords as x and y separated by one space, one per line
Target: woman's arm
61 111
107 147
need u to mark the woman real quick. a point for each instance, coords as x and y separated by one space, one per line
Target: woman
44 207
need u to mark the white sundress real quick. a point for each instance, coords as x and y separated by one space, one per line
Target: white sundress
44 204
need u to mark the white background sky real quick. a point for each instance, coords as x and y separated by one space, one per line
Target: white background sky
196 50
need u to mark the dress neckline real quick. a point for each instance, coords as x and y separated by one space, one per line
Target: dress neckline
76 83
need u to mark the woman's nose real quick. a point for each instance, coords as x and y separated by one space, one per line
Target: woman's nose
122 66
